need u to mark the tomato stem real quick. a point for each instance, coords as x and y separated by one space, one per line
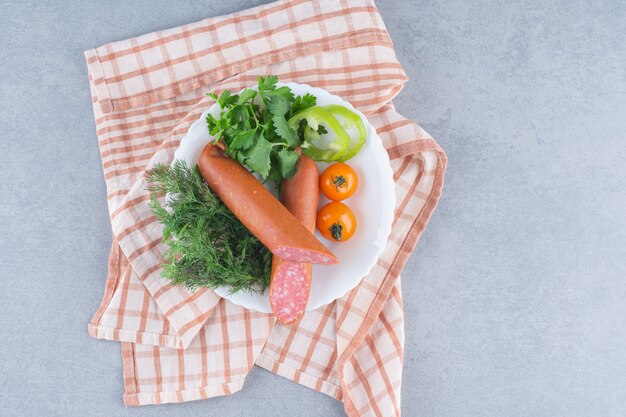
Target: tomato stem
339 181
335 230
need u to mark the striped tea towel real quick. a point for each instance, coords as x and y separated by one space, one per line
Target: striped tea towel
181 346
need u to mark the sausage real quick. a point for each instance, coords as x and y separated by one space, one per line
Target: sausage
259 210
291 281
289 289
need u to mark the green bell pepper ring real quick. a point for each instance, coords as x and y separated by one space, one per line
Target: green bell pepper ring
350 119
341 148
314 116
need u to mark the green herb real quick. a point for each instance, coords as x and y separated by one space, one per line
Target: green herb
207 245
253 125
262 128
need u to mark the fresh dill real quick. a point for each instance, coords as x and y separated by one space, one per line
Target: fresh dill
207 245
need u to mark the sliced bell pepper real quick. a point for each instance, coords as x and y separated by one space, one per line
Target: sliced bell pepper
350 119
314 116
341 147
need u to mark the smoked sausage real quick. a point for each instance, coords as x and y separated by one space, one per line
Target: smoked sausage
291 281
259 210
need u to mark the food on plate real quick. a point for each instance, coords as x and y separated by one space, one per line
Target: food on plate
253 126
291 281
222 226
259 210
336 222
207 246
262 127
350 119
338 182
315 121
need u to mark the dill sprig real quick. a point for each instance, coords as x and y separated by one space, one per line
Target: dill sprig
207 245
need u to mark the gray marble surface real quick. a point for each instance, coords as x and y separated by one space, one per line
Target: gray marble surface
516 295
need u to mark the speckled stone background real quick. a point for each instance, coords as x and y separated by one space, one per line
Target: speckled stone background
516 294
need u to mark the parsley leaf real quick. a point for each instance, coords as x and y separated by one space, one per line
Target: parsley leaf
258 156
212 123
301 103
284 131
267 83
226 98
275 173
287 160
284 92
278 105
242 140
246 95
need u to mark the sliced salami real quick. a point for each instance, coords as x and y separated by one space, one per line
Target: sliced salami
303 255
291 281
289 292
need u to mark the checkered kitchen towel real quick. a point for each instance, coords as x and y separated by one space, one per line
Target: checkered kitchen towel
181 346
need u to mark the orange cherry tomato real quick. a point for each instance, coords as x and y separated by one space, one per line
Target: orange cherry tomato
338 182
336 222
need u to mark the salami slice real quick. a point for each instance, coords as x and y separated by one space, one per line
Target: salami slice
289 290
291 281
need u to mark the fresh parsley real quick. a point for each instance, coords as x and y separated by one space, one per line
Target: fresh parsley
253 125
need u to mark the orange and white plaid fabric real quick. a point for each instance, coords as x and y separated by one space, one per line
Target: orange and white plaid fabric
181 346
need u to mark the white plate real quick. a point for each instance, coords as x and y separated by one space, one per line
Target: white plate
373 205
